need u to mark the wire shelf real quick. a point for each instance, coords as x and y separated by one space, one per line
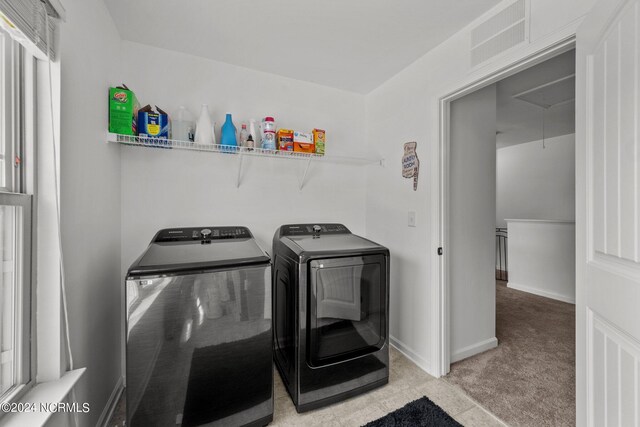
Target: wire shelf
225 149
141 141
241 152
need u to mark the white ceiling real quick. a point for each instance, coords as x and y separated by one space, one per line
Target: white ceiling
519 121
354 45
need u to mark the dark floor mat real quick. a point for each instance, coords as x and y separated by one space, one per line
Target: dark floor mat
419 413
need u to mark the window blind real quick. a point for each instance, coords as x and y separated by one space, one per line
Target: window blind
26 20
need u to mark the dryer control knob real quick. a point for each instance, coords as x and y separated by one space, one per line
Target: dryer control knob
205 233
317 229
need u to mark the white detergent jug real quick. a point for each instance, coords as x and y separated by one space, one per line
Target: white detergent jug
205 128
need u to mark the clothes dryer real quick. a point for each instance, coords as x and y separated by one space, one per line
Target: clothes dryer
331 304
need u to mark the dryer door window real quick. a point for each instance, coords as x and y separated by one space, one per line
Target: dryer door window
347 305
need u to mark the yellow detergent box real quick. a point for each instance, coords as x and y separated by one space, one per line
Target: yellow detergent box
123 111
319 139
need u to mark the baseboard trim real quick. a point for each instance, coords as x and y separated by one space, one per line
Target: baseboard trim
474 349
410 354
110 407
541 293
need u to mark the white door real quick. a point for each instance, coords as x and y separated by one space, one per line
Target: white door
608 215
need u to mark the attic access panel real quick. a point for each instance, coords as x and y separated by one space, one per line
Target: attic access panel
550 94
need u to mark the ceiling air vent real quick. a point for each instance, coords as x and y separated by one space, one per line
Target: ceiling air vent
501 32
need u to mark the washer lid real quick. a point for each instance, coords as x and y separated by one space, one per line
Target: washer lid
165 256
333 242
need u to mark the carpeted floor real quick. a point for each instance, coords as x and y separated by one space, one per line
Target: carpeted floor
529 379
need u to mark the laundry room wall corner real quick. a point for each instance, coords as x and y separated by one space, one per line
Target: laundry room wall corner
90 201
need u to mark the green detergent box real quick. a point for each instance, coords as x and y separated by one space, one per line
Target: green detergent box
123 111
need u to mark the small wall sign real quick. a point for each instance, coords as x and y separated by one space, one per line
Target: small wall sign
410 163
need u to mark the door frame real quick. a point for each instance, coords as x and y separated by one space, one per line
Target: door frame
564 41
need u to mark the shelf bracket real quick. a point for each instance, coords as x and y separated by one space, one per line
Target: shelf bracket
239 170
306 171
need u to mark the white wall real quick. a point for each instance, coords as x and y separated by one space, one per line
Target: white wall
405 108
472 236
542 258
536 183
90 200
162 188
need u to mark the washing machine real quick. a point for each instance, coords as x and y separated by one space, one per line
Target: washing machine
331 306
198 330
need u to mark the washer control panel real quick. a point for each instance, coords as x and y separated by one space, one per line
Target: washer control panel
201 234
313 229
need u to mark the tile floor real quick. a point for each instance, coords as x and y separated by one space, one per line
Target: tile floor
407 382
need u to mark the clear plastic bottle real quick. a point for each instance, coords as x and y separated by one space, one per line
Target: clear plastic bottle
244 135
254 133
183 125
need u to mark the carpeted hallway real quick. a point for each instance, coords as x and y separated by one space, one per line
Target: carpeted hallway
529 379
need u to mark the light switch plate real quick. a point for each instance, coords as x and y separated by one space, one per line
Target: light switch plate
411 219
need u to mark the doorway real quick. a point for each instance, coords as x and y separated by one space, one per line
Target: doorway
511 167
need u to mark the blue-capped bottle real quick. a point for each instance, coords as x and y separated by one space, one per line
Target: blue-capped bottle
228 140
